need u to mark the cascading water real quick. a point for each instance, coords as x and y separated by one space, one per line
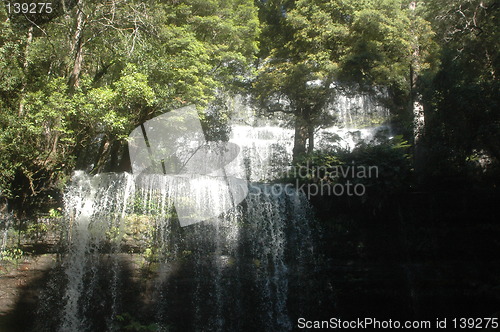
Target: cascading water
265 151
359 118
230 273
95 208
130 261
358 110
267 144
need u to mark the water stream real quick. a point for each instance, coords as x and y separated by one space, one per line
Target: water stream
130 260
248 247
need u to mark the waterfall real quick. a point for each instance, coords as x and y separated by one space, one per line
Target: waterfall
360 117
264 151
212 274
358 110
211 248
266 144
95 208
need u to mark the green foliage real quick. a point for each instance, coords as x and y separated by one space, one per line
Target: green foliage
463 94
137 60
387 159
392 159
194 47
361 45
55 213
215 119
140 59
307 49
37 230
151 255
379 45
11 256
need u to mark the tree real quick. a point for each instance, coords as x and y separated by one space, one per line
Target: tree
77 81
463 95
319 42
422 46
295 77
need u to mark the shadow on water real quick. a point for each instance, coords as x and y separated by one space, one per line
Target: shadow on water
423 256
40 302
207 286
223 288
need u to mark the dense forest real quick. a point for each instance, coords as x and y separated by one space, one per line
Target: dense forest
76 77
75 81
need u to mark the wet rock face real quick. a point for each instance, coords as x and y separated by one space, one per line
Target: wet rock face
420 257
20 289
127 260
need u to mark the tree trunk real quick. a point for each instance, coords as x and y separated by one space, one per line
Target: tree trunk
310 135
300 138
29 39
77 48
416 105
